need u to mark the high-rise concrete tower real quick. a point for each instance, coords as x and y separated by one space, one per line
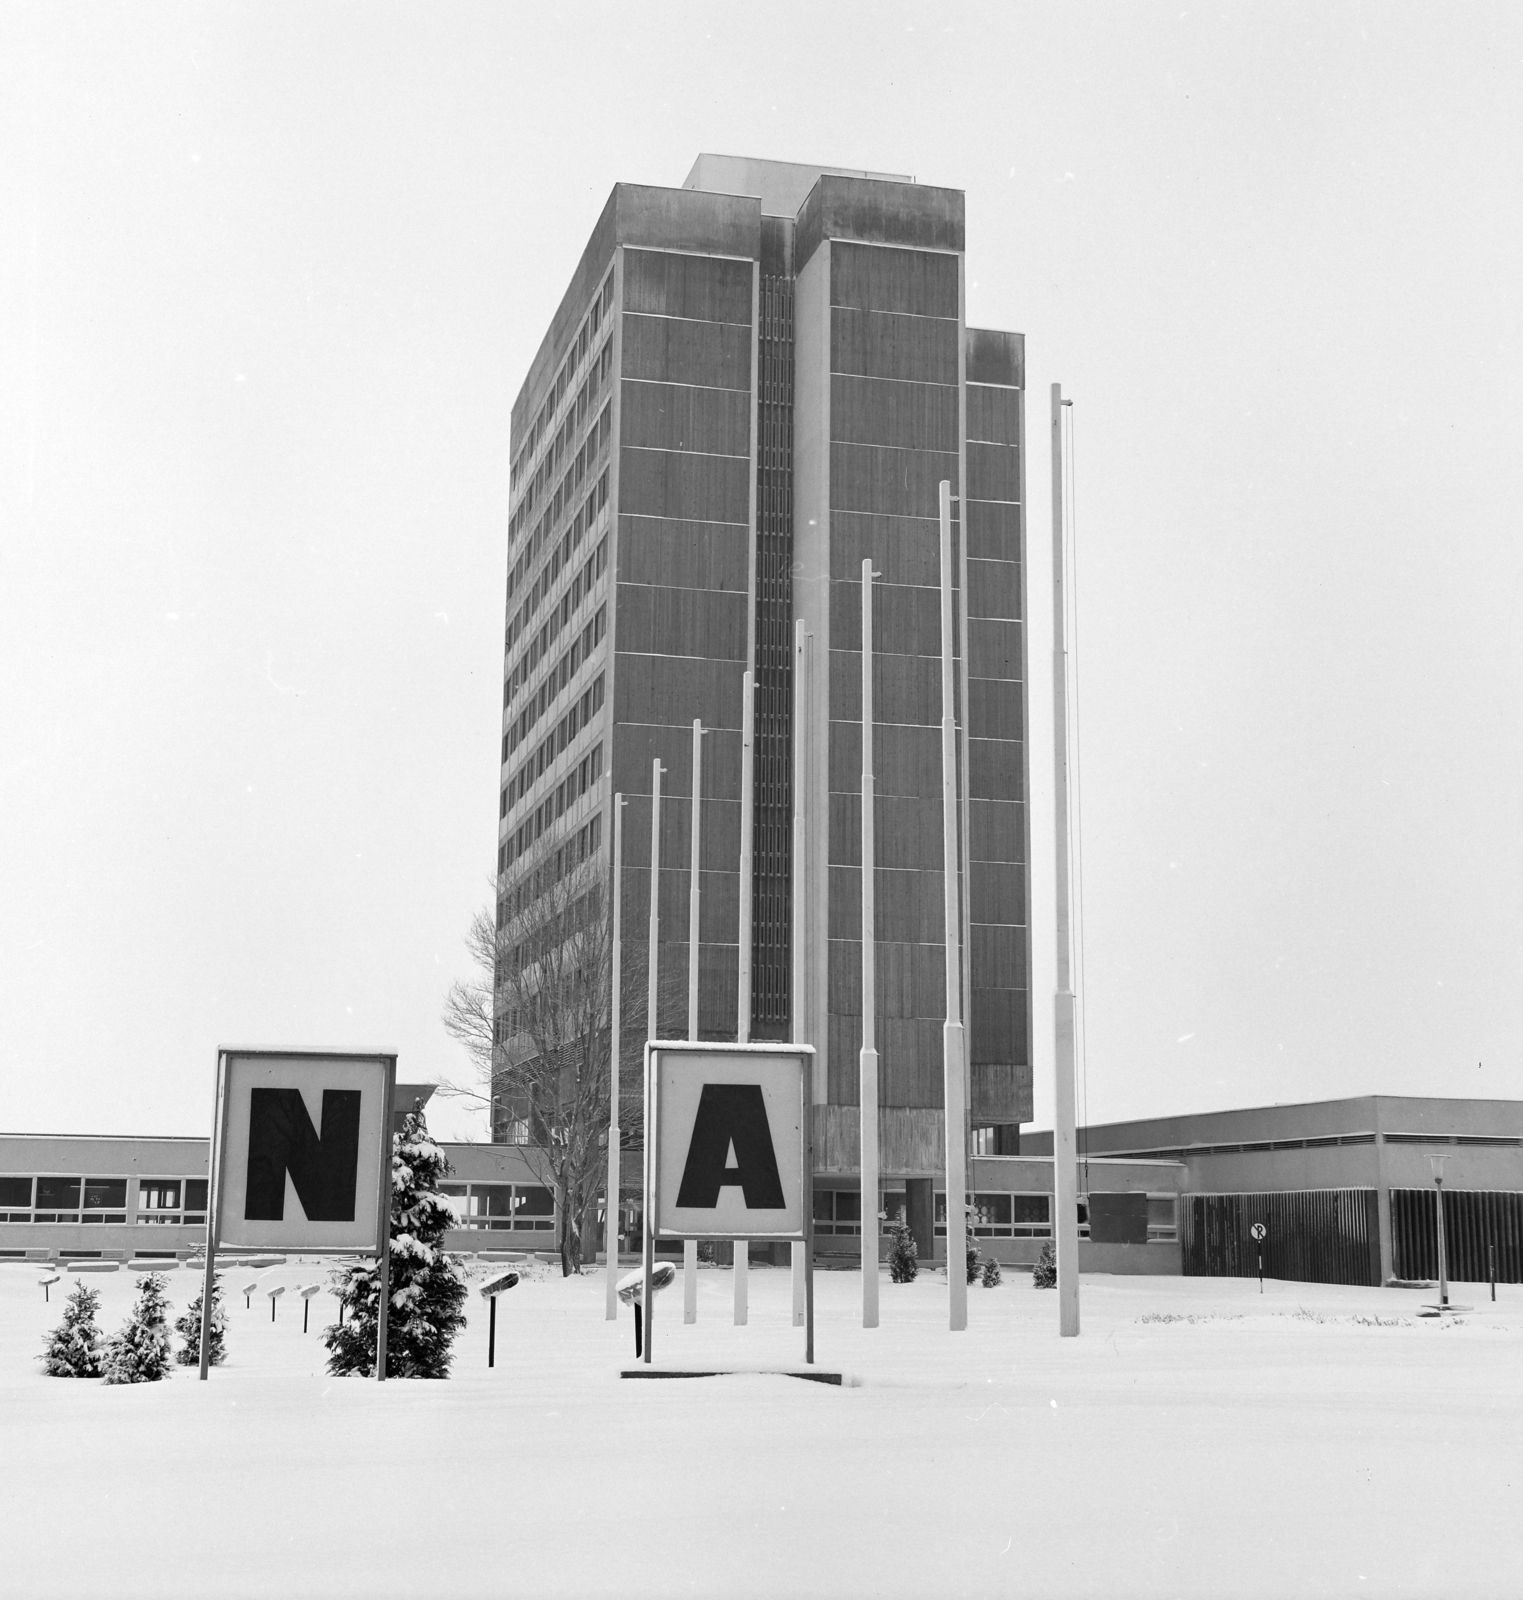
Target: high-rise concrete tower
752 383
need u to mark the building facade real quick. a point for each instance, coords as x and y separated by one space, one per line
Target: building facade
752 383
1344 1189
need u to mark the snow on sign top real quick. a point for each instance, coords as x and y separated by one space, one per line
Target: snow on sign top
731 1126
300 1164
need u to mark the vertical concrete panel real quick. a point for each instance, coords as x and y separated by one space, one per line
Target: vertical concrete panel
811 600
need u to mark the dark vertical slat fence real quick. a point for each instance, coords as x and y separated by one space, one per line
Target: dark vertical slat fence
1314 1236
1474 1220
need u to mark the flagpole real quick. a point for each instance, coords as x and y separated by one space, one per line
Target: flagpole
741 1247
611 1202
1065 1185
690 1246
647 1300
867 1064
952 1043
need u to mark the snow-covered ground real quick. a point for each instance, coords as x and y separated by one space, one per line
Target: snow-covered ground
1197 1439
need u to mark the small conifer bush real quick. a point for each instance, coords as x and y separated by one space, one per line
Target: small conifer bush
1044 1275
427 1289
188 1326
73 1348
140 1351
903 1262
974 1260
991 1274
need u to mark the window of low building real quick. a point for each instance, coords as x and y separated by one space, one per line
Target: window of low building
998 1214
838 1211
1163 1218
504 1207
175 1201
105 1200
15 1199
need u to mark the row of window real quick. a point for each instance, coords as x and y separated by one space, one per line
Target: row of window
586 337
555 928
509 1207
572 787
991 1214
1004 1216
55 1199
576 591
596 441
556 679
582 711
576 530
584 843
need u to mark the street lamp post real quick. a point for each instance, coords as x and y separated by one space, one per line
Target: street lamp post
1437 1163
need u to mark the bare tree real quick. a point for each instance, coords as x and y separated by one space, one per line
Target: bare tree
535 1024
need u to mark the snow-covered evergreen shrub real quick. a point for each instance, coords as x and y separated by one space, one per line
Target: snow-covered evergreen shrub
139 1352
991 1274
427 1288
188 1326
1044 1275
903 1262
73 1348
974 1261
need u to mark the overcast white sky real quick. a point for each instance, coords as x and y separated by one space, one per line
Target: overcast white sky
270 276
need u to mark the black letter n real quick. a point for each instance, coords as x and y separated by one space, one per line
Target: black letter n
323 1168
731 1113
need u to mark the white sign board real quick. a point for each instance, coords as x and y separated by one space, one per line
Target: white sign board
731 1139
304 1153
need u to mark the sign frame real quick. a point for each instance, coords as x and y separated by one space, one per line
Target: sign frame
379 1245
805 1053
654 1051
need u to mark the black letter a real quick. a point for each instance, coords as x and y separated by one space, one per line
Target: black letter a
731 1113
323 1169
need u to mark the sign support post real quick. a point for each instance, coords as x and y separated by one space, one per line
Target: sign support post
808 1231
383 1303
1258 1230
213 1197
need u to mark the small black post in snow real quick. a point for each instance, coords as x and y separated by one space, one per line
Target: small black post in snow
1258 1230
1491 1255
489 1292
